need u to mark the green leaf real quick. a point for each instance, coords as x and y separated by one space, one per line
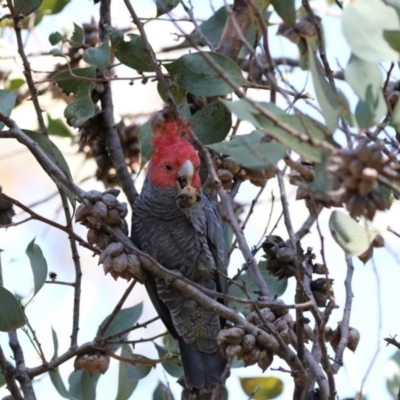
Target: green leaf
78 36
89 385
56 156
286 10
82 108
71 84
57 127
74 381
162 392
130 52
38 266
393 38
179 93
392 370
57 53
301 123
353 237
262 387
55 38
165 6
124 319
14 83
326 96
249 152
212 123
98 56
363 24
172 366
26 7
277 287
365 78
50 7
133 373
395 117
11 315
194 73
363 114
170 343
7 102
2 380
55 375
126 385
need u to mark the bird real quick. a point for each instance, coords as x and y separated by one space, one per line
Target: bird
176 223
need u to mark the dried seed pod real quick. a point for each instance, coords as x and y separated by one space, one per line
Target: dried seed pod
224 174
369 174
248 342
93 195
80 362
280 311
93 236
289 320
120 263
258 182
252 357
81 212
107 264
281 324
112 217
266 314
320 269
109 200
91 364
227 185
356 167
122 209
353 339
93 222
113 191
99 210
124 226
308 333
234 335
221 338
103 241
285 335
379 241
231 165
285 254
133 261
265 359
233 350
217 162
103 363
114 249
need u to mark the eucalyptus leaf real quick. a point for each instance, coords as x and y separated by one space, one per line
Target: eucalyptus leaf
165 6
276 286
179 93
50 7
54 373
162 392
7 102
57 127
129 52
194 73
56 156
364 23
26 7
126 385
11 315
14 83
71 84
262 387
55 38
249 152
74 381
393 374
57 53
89 385
172 366
326 96
286 10
38 266
2 380
353 237
98 56
124 320
82 107
78 36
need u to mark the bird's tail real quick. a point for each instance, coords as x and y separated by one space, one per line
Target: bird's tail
202 370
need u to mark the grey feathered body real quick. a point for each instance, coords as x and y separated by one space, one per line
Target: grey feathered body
192 243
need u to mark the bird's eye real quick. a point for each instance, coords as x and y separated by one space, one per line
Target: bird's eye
168 167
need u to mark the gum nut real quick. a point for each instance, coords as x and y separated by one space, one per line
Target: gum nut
221 338
103 256
280 311
133 261
353 339
122 209
91 364
103 241
252 357
231 165
80 362
107 265
103 363
285 335
124 226
308 333
120 263
93 222
289 319
114 249
114 274
112 217
281 324
81 212
234 335
253 318
248 342
224 174
285 254
268 315
112 191
265 359
233 350
126 275
93 195
99 210
109 200
93 236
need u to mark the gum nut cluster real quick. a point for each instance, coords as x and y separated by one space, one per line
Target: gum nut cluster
91 363
333 336
303 192
107 208
6 211
228 169
356 172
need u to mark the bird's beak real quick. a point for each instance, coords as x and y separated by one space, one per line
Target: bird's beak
185 175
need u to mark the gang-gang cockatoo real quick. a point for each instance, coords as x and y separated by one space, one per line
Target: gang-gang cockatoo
184 236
